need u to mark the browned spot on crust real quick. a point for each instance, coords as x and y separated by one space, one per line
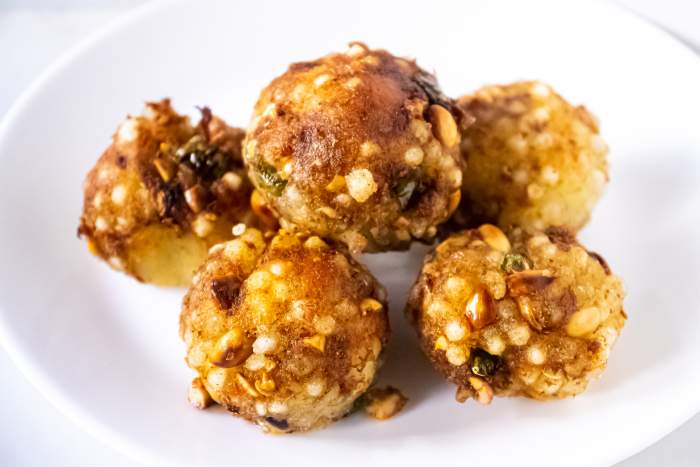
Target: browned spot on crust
205 121
277 423
171 203
121 161
601 261
545 310
566 305
586 118
593 346
562 237
226 291
302 66
338 363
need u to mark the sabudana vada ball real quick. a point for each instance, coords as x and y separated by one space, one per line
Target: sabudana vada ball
531 159
529 314
285 332
163 192
360 147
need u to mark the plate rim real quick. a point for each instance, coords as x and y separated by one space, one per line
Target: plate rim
71 411
92 425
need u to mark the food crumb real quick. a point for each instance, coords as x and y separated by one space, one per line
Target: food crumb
384 403
198 396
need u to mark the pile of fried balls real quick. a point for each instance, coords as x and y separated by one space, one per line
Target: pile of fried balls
361 152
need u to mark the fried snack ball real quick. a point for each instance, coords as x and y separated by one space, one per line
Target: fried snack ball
286 332
163 192
360 147
532 315
532 159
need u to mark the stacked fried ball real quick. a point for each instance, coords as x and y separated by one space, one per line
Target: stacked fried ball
360 147
164 192
271 345
531 314
532 159
362 152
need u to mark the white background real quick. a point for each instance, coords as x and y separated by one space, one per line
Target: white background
32 34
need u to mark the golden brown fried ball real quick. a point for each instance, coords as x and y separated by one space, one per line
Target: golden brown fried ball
286 332
360 147
532 315
532 159
163 192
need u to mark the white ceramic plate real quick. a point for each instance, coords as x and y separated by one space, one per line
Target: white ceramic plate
105 349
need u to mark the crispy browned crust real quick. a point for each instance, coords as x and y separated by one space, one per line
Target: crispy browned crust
528 311
312 301
142 181
325 118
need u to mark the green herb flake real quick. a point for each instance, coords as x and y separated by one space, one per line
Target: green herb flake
483 363
514 262
203 158
269 179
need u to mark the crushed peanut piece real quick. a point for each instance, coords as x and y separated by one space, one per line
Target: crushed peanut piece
337 184
265 385
261 209
329 212
583 322
370 304
315 242
198 396
483 390
495 238
245 384
232 349
384 403
455 198
444 125
318 342
92 247
479 308
194 197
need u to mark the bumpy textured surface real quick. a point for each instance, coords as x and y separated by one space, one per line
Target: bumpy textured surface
532 315
360 147
163 192
286 332
532 159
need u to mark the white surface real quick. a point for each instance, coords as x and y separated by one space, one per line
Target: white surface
32 433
